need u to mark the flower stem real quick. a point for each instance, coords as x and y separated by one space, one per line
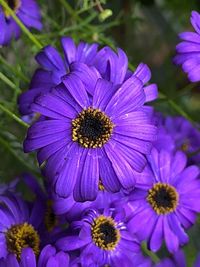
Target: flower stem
13 116
21 25
9 83
149 253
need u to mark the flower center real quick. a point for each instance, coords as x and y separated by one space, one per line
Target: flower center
14 5
185 146
163 198
50 218
22 236
101 186
104 233
92 128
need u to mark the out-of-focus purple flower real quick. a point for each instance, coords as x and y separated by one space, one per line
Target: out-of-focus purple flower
88 64
9 187
27 11
102 239
48 258
176 260
197 261
20 225
188 51
166 200
177 133
84 138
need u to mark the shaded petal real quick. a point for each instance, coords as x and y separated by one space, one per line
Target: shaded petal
70 243
171 239
143 73
157 235
151 92
69 49
28 258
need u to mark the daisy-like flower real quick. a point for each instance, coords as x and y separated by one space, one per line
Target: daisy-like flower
48 257
177 133
102 239
166 200
19 226
26 10
92 65
188 51
84 138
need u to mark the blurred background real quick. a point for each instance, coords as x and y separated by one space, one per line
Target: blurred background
146 29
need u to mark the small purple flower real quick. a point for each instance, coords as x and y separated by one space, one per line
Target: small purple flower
177 133
27 11
103 239
86 137
20 225
88 64
48 258
188 51
166 200
177 260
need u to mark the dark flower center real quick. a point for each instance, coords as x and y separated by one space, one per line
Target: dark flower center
22 236
92 128
50 218
104 233
163 198
13 4
101 186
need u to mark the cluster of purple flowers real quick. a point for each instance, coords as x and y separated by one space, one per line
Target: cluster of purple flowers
116 174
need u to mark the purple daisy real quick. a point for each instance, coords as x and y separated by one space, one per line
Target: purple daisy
188 51
48 258
84 138
88 64
165 201
177 133
27 11
19 226
177 260
102 239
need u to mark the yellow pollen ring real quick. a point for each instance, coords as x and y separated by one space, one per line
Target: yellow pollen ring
22 236
99 237
163 198
101 186
82 133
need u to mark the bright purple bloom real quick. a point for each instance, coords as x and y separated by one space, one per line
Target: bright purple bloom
88 64
177 133
84 138
177 260
188 51
165 201
48 258
20 225
102 239
27 11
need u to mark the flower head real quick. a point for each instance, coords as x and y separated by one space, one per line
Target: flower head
188 51
102 239
26 10
84 137
165 201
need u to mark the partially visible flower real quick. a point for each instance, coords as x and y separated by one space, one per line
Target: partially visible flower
197 261
85 138
177 133
188 51
102 238
88 64
48 257
166 200
26 10
9 187
20 225
176 260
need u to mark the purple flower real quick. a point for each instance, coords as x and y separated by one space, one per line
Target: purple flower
102 239
177 260
20 225
85 137
166 200
188 51
27 11
48 258
177 133
88 64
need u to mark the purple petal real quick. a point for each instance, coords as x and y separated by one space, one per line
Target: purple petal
28 258
69 49
171 239
143 73
157 235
